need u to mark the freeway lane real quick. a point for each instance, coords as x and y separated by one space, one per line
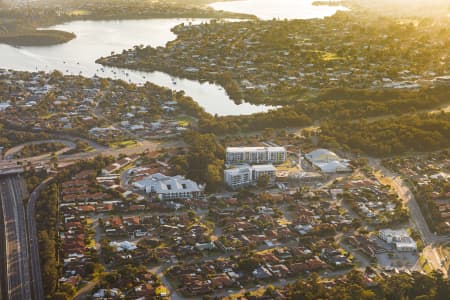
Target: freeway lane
38 290
12 193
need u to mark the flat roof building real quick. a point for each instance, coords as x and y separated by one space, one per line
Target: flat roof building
245 175
238 177
400 238
255 155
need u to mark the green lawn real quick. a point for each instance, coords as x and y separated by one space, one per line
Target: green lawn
184 120
123 144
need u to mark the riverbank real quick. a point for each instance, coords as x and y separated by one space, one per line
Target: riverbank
281 62
37 38
328 3
18 24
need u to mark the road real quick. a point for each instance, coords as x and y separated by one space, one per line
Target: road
408 197
417 219
36 275
64 160
12 194
15 150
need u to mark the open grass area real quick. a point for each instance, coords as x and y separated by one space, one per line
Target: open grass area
327 56
91 244
123 144
259 292
79 12
283 221
161 290
444 252
48 116
184 120
426 267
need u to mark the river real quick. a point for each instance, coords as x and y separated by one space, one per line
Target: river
278 9
100 38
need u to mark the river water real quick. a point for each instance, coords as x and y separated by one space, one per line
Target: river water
278 9
100 38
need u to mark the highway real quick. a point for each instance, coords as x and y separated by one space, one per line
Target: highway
36 275
12 194
23 269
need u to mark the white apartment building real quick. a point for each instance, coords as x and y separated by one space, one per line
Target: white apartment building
259 170
255 155
238 177
246 175
170 188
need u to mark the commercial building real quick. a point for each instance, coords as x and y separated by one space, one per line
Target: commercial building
246 175
328 162
170 188
400 238
255 155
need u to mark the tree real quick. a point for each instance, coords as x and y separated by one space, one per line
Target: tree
214 175
60 296
67 289
263 181
247 265
397 287
442 286
92 268
203 162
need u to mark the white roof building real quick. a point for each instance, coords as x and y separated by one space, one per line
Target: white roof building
102 293
124 245
400 238
96 130
169 188
442 81
328 161
4 106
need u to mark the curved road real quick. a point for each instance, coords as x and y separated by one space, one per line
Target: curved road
36 275
22 255
63 160
9 155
